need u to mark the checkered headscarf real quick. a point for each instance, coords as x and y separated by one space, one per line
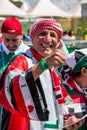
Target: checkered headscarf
46 24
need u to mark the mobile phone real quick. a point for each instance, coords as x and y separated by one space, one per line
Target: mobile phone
58 44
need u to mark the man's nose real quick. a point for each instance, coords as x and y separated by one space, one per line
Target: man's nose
48 37
11 44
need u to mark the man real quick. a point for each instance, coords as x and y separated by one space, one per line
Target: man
12 35
76 84
32 90
12 44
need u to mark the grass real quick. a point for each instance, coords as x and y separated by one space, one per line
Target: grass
26 26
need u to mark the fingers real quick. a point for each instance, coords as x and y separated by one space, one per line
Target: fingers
75 123
56 59
80 123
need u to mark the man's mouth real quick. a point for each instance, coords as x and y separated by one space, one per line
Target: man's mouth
46 46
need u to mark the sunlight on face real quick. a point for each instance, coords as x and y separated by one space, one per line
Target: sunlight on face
45 42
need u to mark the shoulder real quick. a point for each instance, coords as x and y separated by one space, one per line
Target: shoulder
20 62
24 47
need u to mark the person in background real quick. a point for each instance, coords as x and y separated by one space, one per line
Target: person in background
12 44
85 34
32 89
12 36
66 36
26 37
75 81
72 34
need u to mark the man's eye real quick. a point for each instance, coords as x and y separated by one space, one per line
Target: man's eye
14 40
53 35
42 34
7 39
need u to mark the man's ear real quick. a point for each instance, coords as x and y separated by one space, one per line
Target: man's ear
21 37
83 71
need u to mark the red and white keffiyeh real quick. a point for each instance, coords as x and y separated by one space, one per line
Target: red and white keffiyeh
46 24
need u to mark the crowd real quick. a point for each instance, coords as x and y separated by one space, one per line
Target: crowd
34 93
69 35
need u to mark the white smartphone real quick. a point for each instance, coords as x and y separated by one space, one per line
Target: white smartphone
58 44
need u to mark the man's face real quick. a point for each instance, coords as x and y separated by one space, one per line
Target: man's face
83 78
12 41
45 42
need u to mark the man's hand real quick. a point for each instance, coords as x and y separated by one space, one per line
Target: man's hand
75 121
56 59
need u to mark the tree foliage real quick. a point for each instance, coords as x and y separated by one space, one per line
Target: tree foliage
17 3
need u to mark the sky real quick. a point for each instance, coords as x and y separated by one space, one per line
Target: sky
64 4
